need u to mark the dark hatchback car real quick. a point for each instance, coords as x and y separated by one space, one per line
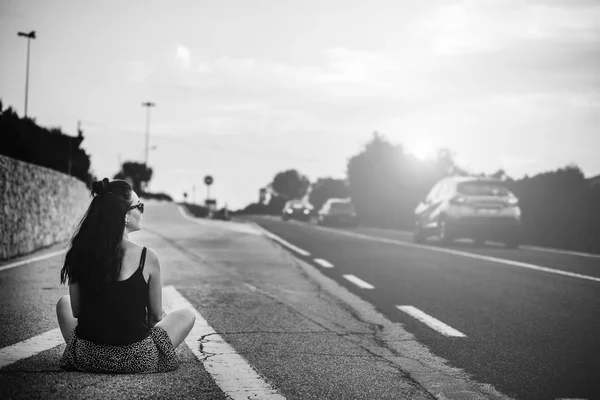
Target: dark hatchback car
296 210
338 212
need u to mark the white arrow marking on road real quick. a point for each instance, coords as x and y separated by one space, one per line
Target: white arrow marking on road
431 322
359 282
323 263
30 347
230 371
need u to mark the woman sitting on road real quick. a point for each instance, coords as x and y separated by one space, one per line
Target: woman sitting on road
113 321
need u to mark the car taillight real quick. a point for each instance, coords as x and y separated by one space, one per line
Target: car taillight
458 200
513 201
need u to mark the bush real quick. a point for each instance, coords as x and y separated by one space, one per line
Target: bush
155 196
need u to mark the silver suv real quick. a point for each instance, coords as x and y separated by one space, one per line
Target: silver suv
338 212
469 207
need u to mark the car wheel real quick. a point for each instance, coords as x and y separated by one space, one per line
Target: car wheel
418 235
443 234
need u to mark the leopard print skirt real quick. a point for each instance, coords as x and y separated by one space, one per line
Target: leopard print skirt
152 354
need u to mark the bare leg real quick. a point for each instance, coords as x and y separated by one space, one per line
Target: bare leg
178 325
66 321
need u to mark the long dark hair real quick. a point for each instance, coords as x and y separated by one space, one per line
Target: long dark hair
95 255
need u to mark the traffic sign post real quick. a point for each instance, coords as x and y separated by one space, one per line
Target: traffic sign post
208 180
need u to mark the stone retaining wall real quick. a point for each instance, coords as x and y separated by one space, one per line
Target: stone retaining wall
39 207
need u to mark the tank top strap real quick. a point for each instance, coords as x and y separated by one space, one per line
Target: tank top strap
142 259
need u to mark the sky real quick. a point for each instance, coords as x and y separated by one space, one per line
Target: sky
246 89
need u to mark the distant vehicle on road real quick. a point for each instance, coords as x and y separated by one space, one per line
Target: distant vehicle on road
469 207
338 212
222 214
297 210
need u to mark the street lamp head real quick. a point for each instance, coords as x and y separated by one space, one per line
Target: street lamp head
30 35
148 104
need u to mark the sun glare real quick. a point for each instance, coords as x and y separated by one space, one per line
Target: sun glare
423 150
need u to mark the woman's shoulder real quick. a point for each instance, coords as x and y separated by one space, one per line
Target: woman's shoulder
151 261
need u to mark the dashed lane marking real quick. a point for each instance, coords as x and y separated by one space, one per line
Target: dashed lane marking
32 259
431 322
496 260
323 263
30 347
283 241
230 371
359 282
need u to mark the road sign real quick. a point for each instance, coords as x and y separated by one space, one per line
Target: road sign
208 180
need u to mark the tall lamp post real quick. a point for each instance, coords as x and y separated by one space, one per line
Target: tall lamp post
29 36
147 104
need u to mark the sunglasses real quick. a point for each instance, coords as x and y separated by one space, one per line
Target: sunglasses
139 205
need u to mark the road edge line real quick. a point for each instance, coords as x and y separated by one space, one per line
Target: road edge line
230 371
33 259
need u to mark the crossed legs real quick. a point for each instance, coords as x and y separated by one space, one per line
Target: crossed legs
177 324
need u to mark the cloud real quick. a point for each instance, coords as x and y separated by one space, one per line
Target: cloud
183 57
483 26
137 71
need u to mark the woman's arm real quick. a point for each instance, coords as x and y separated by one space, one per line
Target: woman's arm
75 299
155 311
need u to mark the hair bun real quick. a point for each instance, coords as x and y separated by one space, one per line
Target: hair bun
100 187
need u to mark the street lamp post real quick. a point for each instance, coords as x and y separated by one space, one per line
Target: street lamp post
147 104
29 36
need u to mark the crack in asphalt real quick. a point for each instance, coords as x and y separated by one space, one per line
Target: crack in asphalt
322 295
288 332
344 335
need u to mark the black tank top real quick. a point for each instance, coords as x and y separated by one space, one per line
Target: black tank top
117 314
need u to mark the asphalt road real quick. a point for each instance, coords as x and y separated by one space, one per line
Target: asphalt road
299 339
530 332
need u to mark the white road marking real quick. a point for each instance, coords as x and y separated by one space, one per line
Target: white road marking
525 247
236 378
569 252
431 322
230 371
32 259
463 254
323 263
359 282
283 241
30 347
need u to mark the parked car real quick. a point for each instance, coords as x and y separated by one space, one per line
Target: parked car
469 207
294 209
337 212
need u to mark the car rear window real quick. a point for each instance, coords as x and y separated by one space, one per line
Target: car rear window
482 189
342 207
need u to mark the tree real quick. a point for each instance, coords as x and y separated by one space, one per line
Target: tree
24 140
138 174
327 188
290 184
386 184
